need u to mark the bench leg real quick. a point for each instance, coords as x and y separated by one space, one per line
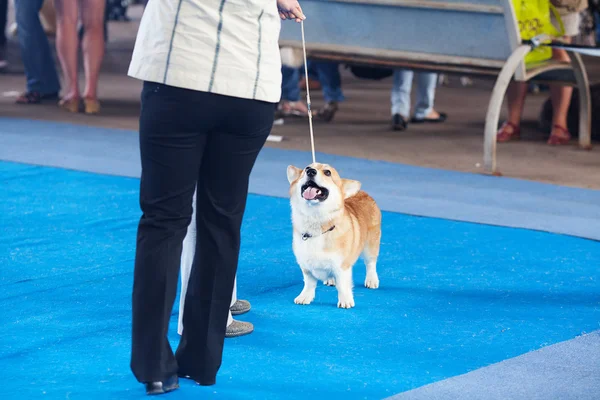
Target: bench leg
585 103
495 106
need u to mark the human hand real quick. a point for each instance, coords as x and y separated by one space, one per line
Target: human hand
290 9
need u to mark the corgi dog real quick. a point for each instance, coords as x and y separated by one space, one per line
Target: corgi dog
334 222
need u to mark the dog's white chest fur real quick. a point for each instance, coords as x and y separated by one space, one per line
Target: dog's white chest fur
313 258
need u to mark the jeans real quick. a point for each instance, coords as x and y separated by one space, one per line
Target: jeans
597 20
329 77
289 84
40 70
426 84
188 141
328 74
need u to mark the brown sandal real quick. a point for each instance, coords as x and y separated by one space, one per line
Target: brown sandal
504 136
71 105
91 106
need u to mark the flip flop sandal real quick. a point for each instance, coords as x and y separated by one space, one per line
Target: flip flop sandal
443 117
288 109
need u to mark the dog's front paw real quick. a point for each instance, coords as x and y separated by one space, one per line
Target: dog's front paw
372 281
329 282
304 298
346 302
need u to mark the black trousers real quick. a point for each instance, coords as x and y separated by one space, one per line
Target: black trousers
189 137
3 20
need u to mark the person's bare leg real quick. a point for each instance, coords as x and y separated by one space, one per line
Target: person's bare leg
515 95
92 17
561 100
67 45
517 91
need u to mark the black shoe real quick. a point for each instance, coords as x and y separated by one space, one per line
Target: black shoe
154 388
201 383
328 112
398 122
439 119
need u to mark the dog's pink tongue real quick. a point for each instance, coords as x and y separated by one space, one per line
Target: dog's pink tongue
311 193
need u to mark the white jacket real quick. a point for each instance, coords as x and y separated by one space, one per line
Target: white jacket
228 47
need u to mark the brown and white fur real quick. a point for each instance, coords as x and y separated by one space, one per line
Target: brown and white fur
334 223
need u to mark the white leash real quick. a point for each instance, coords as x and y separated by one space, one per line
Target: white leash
312 138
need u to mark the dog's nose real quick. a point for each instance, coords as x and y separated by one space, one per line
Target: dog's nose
311 172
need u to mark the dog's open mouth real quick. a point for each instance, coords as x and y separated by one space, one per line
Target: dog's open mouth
311 191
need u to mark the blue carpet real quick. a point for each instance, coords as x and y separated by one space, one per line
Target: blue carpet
399 188
454 297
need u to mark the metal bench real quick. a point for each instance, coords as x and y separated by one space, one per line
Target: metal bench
469 37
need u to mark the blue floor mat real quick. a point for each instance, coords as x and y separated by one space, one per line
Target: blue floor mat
454 297
399 188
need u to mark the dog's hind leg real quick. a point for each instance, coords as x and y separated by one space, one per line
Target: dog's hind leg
370 254
329 282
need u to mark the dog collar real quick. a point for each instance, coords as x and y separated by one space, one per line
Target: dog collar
306 236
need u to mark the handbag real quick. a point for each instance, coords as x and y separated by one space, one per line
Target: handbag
371 73
533 17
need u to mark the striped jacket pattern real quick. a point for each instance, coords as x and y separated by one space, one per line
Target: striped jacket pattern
227 47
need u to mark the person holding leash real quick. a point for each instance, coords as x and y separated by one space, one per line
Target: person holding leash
211 73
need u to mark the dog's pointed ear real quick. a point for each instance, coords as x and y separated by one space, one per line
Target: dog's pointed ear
293 173
350 187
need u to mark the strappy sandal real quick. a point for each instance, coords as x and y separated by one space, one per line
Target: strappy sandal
504 135
556 140
34 97
442 117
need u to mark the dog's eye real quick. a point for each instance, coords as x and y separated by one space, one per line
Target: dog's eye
327 172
